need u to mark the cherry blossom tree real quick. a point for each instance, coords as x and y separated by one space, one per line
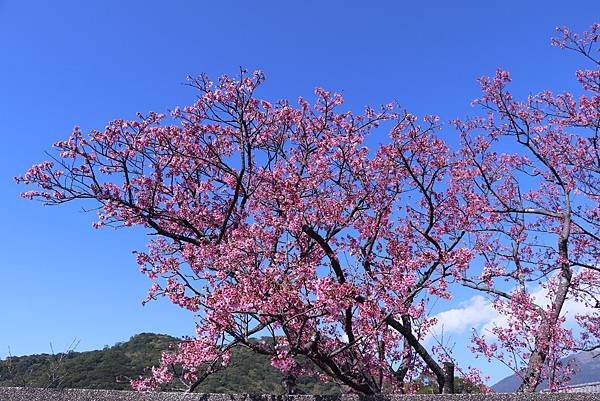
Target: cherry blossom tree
276 220
530 171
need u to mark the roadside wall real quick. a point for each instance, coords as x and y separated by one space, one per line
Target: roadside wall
33 394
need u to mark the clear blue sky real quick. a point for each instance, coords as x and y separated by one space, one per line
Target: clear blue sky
64 63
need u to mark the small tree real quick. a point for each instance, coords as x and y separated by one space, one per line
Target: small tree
15 372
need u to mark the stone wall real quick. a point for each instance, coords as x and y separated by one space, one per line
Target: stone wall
33 394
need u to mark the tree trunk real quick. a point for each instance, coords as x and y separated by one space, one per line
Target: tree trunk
448 386
539 355
416 345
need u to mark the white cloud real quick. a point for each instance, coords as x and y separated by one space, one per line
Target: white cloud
476 312
570 309
479 314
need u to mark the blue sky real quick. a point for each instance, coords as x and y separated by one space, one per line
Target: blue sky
64 63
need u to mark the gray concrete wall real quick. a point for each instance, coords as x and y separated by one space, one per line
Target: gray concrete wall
32 394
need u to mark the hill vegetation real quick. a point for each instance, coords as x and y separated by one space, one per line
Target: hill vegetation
112 367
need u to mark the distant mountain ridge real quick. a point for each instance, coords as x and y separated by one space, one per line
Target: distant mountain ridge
587 370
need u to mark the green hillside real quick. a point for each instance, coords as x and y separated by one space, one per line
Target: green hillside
109 369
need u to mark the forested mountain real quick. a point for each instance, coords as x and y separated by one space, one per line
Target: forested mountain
111 367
